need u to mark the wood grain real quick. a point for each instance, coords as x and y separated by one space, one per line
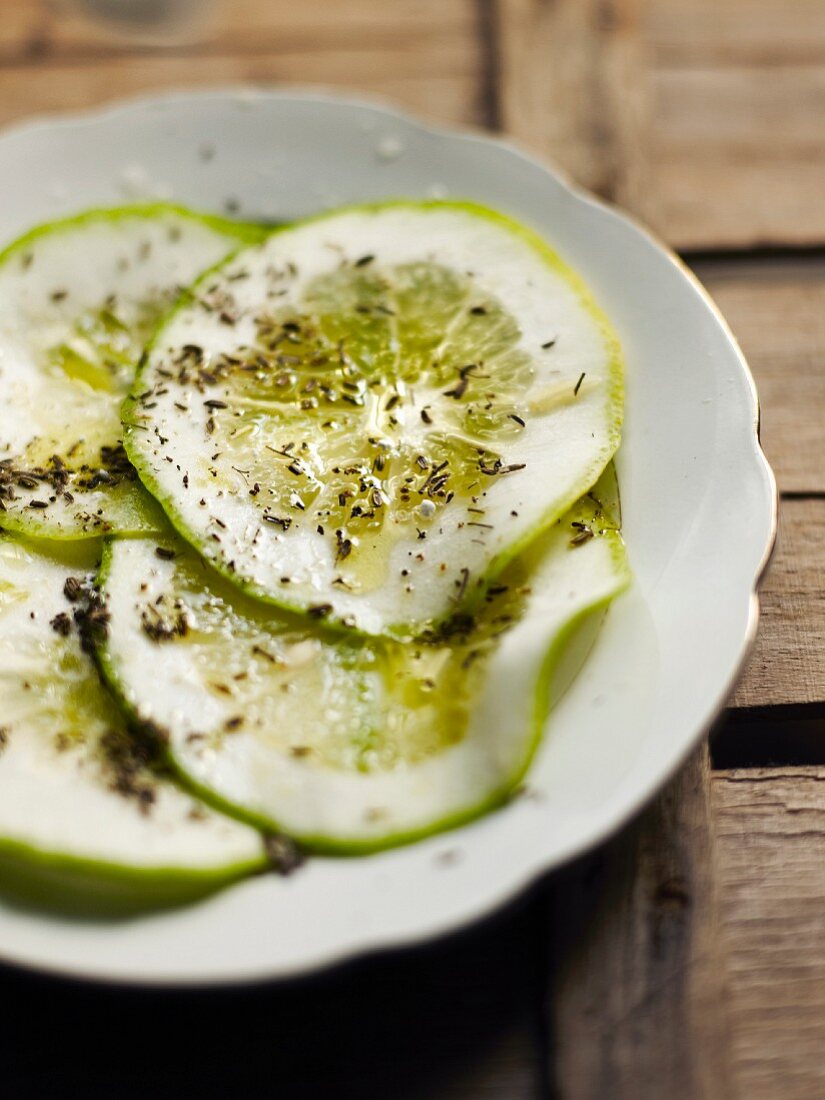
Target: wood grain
777 310
568 85
428 57
703 121
686 957
446 93
713 138
788 660
698 33
735 156
39 31
638 989
770 829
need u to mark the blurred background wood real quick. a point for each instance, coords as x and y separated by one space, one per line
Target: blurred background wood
702 117
770 829
777 310
640 987
786 666
687 957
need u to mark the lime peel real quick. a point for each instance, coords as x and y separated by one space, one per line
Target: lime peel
319 385
84 820
327 748
71 333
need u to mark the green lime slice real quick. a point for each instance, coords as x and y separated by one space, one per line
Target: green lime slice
352 743
366 417
84 816
78 299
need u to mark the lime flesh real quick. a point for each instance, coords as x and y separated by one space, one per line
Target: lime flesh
81 801
78 300
349 743
366 417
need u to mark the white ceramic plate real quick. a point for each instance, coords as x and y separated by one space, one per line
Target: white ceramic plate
699 518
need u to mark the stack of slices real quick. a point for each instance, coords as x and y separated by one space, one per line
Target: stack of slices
302 534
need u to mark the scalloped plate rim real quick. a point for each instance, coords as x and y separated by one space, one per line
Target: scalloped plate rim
349 947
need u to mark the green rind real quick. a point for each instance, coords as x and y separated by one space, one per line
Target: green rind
246 233
332 846
31 875
553 511
149 521
34 876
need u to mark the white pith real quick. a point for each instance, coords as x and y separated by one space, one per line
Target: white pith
569 436
167 683
54 797
45 286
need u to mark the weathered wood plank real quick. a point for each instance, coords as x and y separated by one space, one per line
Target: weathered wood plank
735 32
709 132
638 1000
788 661
667 107
714 139
735 157
777 310
443 86
568 83
770 828
428 56
41 30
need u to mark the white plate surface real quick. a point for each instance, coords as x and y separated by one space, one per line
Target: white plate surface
699 519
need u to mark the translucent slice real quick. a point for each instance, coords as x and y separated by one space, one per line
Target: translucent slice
81 809
78 299
367 416
351 743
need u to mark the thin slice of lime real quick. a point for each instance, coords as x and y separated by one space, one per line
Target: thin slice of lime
366 417
350 743
78 299
83 814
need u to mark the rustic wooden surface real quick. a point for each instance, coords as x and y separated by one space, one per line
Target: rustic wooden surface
701 115
641 988
686 958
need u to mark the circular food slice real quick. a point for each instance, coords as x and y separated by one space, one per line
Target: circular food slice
83 814
350 743
78 299
367 416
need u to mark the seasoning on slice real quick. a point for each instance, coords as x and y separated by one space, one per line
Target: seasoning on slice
385 372
349 744
72 331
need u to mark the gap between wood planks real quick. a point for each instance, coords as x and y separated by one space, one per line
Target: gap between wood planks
670 947
775 305
684 956
701 118
777 712
770 737
666 946
752 254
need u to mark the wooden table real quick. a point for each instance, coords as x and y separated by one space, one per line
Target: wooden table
687 957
